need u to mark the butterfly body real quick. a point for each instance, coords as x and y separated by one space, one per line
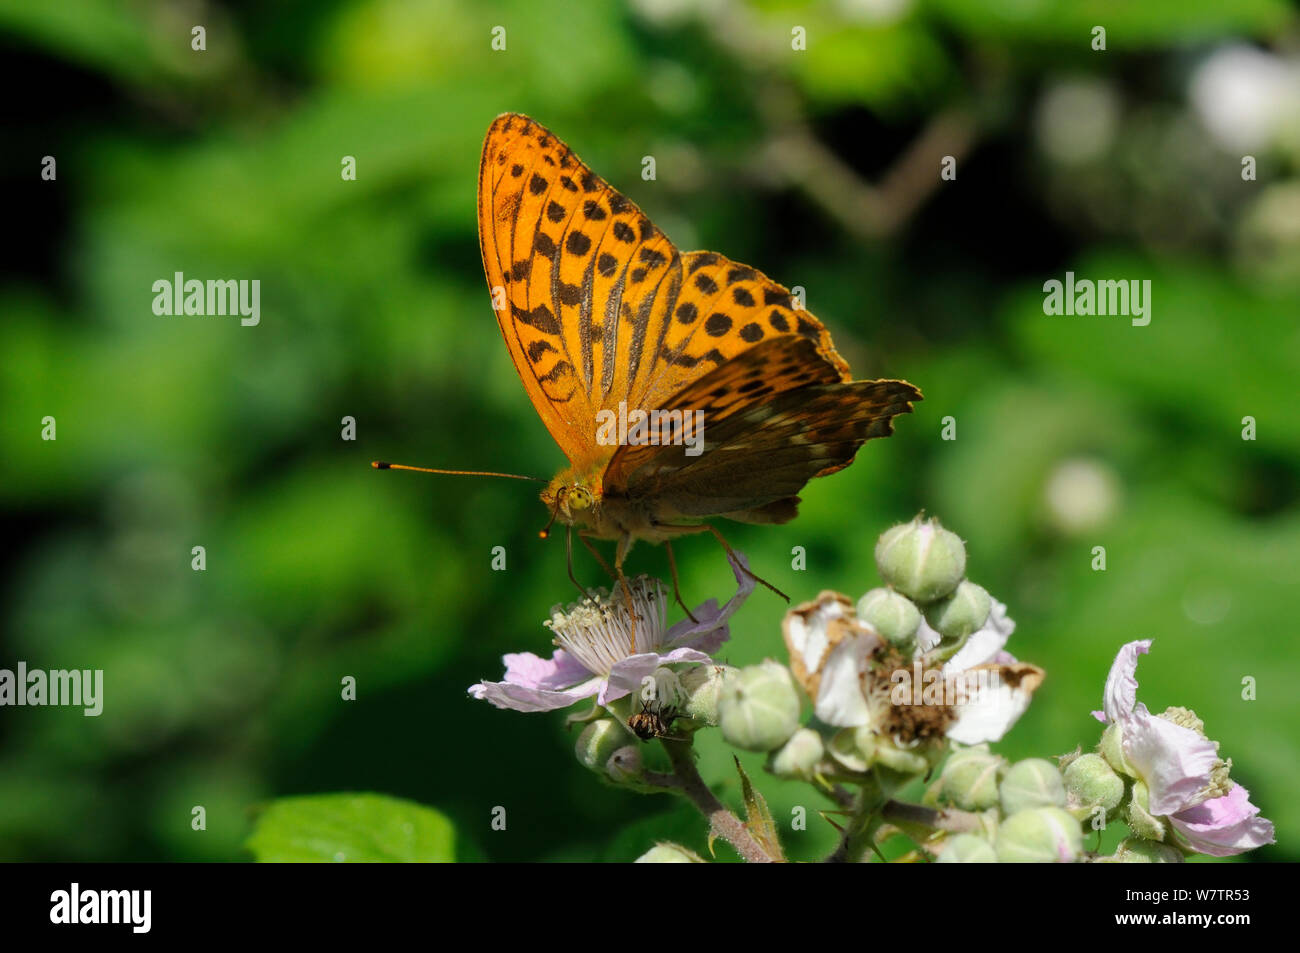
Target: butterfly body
745 395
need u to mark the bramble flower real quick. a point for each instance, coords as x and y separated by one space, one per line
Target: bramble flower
605 651
1179 767
853 676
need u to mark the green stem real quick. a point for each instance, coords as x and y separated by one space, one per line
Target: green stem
937 819
859 834
722 822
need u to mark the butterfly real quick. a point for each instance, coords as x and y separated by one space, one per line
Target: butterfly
604 318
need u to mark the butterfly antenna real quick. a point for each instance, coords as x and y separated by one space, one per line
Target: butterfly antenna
381 465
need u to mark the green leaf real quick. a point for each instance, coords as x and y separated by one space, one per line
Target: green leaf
353 828
758 818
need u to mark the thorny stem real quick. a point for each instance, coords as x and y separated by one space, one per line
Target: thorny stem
858 835
722 821
939 819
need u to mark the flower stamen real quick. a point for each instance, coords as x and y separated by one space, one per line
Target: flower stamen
599 631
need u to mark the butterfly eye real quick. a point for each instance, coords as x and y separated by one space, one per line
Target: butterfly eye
578 498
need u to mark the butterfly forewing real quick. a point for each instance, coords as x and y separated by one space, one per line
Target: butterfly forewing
599 306
587 278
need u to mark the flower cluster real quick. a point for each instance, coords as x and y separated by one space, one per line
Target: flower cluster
876 694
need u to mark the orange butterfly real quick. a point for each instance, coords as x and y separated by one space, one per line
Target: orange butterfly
605 319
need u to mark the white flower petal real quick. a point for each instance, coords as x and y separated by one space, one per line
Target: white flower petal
840 700
998 696
985 644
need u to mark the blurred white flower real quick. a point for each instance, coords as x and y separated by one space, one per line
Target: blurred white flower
1245 96
1082 494
1076 120
875 11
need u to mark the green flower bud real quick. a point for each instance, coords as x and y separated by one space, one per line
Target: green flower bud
1134 850
970 778
625 765
1034 782
598 742
903 760
1138 816
968 849
961 613
667 853
758 708
1043 835
798 757
702 686
891 614
854 748
1091 782
922 560
1112 750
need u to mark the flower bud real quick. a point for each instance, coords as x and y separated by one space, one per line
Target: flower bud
702 686
1138 816
1091 782
1043 835
961 613
798 757
758 708
1135 850
905 761
922 560
891 614
1031 783
667 853
854 748
970 778
968 849
625 765
1112 750
598 742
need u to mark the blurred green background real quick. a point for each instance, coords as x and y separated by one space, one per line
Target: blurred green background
223 686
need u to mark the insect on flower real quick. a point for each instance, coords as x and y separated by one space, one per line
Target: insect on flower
653 720
731 396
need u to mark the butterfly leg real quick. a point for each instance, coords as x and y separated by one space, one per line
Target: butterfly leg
677 589
751 574
620 555
582 538
616 573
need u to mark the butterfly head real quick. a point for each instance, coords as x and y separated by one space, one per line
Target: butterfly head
571 499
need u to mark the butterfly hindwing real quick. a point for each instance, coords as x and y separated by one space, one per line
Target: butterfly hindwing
762 451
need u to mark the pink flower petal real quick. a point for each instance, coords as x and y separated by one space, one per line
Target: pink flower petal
525 698
1224 826
1175 762
1120 696
710 631
629 674
559 671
